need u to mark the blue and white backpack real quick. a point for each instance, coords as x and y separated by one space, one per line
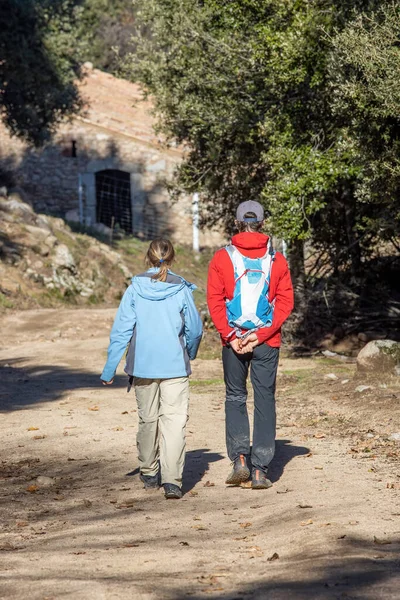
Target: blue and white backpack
250 307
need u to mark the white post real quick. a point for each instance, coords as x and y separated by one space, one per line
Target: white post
195 215
80 197
284 248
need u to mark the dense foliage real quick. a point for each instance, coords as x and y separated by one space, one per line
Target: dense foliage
364 79
43 44
289 101
106 30
39 63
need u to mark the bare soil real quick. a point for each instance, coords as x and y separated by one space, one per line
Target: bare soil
329 527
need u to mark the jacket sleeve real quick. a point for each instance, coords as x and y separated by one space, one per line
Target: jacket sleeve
284 303
193 325
216 296
121 333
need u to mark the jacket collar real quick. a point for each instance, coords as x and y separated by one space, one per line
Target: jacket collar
250 241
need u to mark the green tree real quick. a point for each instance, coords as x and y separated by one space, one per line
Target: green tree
39 65
106 31
247 88
364 74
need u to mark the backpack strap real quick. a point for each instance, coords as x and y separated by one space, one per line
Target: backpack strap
268 260
238 261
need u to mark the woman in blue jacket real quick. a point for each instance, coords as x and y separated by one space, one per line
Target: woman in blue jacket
157 315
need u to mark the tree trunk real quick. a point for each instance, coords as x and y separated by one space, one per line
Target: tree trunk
354 250
298 273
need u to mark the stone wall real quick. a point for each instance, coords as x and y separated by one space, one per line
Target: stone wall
51 177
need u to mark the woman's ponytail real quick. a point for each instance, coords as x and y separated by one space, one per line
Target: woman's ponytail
160 254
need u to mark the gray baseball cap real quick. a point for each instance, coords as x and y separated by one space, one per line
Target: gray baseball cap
250 206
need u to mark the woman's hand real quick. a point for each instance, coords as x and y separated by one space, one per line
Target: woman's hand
108 382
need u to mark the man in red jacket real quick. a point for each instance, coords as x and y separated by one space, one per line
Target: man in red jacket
259 350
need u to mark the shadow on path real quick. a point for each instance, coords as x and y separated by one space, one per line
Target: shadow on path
22 386
284 453
344 574
197 463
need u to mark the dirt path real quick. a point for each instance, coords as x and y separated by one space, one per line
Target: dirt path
328 528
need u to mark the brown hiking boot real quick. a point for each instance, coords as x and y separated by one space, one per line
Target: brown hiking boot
240 471
259 480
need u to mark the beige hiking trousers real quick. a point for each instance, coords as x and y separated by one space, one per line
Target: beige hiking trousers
163 413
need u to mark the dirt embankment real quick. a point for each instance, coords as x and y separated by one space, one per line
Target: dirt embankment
77 523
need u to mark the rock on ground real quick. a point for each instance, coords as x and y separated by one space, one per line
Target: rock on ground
39 254
379 357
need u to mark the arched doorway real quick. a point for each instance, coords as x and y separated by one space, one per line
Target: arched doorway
113 199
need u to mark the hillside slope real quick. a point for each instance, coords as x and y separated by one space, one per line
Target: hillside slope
43 263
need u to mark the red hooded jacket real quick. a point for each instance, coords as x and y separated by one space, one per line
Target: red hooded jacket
221 283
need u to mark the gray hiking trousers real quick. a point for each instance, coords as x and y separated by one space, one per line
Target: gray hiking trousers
263 365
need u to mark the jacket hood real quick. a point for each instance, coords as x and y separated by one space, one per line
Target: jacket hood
250 241
151 289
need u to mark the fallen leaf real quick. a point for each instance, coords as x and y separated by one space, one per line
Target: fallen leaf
381 541
393 486
256 506
119 506
77 553
59 497
245 525
208 484
38 437
341 537
324 524
87 503
193 493
308 455
32 488
199 527
125 412
353 522
305 523
93 408
33 429
319 436
275 556
184 543
22 523
319 468
304 505
285 491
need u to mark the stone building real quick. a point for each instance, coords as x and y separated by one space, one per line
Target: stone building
106 167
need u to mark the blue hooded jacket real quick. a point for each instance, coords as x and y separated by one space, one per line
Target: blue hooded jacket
162 324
